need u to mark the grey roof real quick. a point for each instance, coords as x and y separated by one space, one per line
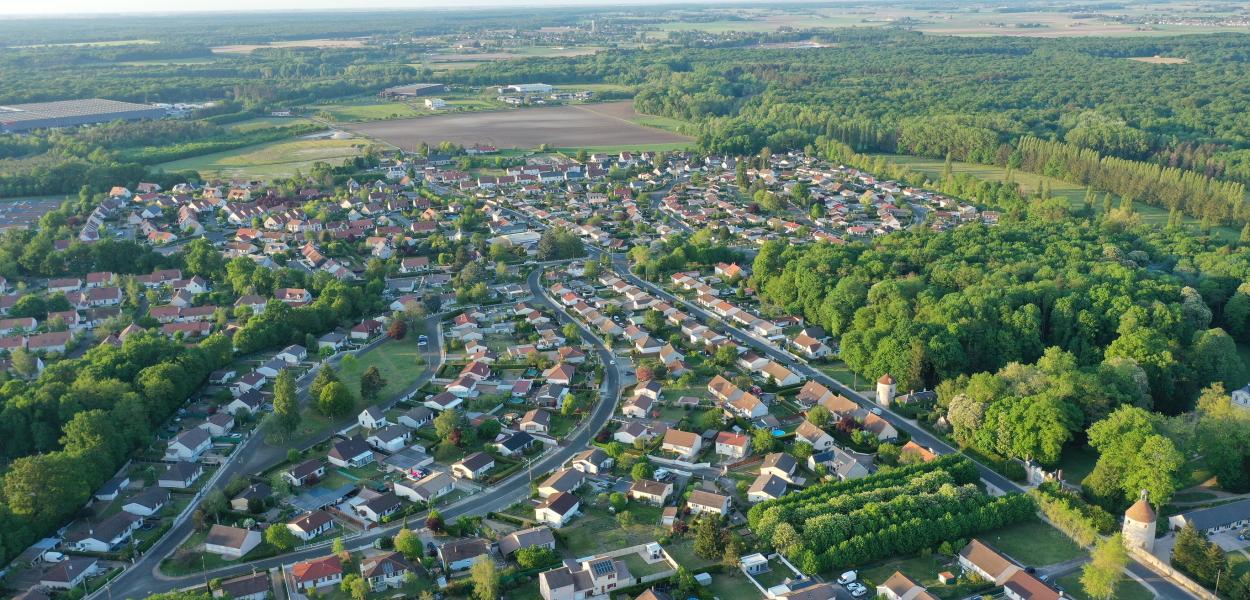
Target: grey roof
517 441
457 550
350 448
150 498
181 471
525 538
257 583
1218 516
391 433
67 108
385 565
224 535
561 503
772 485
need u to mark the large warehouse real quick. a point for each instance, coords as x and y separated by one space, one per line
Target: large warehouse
414 90
68 113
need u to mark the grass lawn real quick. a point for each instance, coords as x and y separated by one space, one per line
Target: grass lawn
188 560
839 371
733 586
639 567
1127 589
270 160
1239 563
266 122
366 110
683 552
1035 544
1193 497
399 361
598 531
1075 194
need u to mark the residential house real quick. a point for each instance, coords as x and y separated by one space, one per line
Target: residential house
310 524
372 418
562 481
247 587
1225 517
147 503
107 535
561 374
474 466
557 510
318 573
391 438
69 573
986 562
427 489
308 472
588 579
1025 586
293 354
701 502
780 464
733 446
540 536
535 421
766 487
654 492
385 571
516 443
251 496
686 445
218 424
840 463
416 417
378 506
818 438
593 461
251 401
353 452
458 555
180 475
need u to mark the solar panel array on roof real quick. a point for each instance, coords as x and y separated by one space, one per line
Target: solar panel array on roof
602 567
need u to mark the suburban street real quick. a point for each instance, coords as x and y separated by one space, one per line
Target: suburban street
1162 587
143 578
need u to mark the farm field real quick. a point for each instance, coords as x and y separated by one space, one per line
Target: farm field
270 160
317 43
1075 194
607 125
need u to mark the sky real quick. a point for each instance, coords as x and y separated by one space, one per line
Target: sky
11 8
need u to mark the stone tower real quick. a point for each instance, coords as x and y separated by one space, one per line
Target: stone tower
1139 525
885 390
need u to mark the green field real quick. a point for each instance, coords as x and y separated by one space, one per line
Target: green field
265 123
270 160
1035 544
367 111
399 361
1075 194
160 62
613 149
1127 589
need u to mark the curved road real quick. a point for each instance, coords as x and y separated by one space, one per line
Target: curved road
142 579
1163 588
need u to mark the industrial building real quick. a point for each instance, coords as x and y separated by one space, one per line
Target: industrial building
527 88
68 113
413 90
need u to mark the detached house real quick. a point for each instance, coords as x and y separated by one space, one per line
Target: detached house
385 570
557 510
686 445
473 466
818 438
311 524
189 445
352 452
318 573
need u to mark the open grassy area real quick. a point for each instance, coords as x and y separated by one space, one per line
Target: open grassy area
1239 563
1034 544
838 370
189 559
733 586
597 530
1075 194
270 160
371 110
265 123
1127 589
1077 463
399 361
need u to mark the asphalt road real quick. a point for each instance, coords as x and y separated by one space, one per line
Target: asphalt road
142 579
1163 587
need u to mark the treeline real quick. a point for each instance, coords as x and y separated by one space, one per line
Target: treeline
1166 187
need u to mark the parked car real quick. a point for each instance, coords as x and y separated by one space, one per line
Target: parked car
848 577
857 589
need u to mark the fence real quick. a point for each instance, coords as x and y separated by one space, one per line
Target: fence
1153 563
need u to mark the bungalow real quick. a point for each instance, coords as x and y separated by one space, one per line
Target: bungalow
107 535
780 375
333 340
557 510
631 432
1025 586
190 445
809 347
458 555
311 524
247 587
473 466
880 427
55 341
353 452
272 367
180 475
649 389
735 446
366 330
147 503
535 421
427 489
902 587
443 401
391 438
218 424
916 453
551 395
231 542
515 443
293 354
701 502
654 492
639 407
250 382
818 438
308 472
593 461
379 506
293 295
766 487
684 444
318 573
70 573
540 537
385 570
1225 517
416 417
562 481
111 488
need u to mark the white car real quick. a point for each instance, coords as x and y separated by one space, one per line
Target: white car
857 589
848 577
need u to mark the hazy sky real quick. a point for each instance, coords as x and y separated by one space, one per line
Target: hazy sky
43 7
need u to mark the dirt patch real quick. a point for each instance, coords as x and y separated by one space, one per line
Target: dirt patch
1160 60
324 43
610 123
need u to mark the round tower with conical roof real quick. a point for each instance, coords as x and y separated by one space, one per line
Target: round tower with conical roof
1139 524
885 390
